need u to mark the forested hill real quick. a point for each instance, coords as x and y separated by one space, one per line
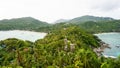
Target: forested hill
60 20
91 24
98 27
63 48
68 47
86 18
25 23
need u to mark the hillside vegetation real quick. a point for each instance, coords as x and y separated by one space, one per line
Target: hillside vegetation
68 47
91 24
25 23
98 27
86 18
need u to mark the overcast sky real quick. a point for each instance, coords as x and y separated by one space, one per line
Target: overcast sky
51 10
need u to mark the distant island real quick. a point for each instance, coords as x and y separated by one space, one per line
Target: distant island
91 24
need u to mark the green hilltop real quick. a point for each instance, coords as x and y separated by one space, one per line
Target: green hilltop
89 23
25 23
89 18
61 48
68 47
67 44
92 24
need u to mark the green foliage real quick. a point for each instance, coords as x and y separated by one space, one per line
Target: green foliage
89 26
87 18
26 23
104 26
89 23
68 47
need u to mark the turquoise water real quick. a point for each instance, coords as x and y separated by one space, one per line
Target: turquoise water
113 39
24 35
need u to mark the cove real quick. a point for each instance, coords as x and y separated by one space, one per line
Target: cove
113 39
21 34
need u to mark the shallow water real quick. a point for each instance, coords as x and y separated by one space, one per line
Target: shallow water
113 39
24 35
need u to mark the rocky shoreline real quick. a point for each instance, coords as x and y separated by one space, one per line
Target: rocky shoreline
100 49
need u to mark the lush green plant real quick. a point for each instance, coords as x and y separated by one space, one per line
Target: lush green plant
68 47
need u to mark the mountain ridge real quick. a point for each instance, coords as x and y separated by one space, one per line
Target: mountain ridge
90 18
24 23
61 20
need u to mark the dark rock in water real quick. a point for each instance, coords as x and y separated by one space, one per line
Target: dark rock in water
117 46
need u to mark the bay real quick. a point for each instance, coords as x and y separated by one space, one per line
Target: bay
113 39
23 35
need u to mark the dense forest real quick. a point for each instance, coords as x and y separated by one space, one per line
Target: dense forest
91 24
25 23
99 27
68 44
68 47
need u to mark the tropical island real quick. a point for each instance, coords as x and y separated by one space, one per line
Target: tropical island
68 44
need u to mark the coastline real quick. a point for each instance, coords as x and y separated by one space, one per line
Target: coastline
105 40
106 56
105 33
23 35
100 50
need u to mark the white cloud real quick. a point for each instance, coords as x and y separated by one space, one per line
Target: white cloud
51 10
105 5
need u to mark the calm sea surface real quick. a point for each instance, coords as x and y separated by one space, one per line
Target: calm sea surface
113 39
24 35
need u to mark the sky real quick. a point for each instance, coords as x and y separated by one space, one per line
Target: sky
52 10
